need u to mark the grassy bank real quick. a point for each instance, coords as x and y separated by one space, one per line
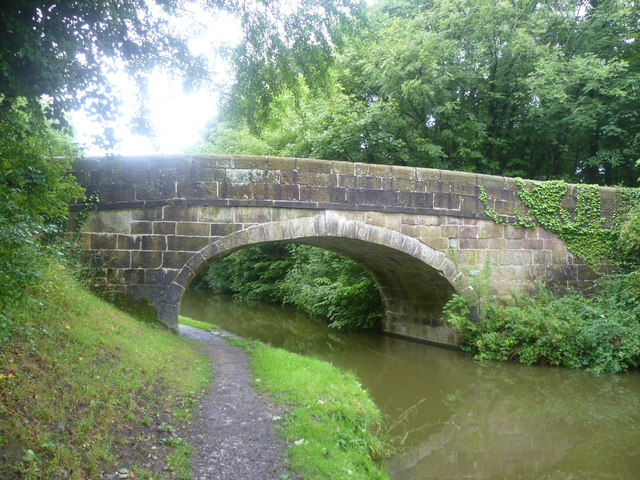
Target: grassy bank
87 390
333 425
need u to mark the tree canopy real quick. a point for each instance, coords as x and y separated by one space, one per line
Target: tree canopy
520 88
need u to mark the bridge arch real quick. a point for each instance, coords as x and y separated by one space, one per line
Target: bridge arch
415 280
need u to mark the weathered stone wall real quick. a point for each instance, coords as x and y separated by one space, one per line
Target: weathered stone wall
160 220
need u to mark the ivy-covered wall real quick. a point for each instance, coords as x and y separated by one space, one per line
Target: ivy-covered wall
575 214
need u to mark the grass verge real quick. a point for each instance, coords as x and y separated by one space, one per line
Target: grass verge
86 390
196 323
332 425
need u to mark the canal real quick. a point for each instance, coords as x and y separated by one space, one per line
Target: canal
463 418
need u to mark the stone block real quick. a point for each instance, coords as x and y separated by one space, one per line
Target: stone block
514 232
129 242
156 190
139 228
361 168
427 231
313 165
449 231
533 243
223 229
405 184
284 192
468 231
197 190
180 214
288 177
250 215
146 214
116 259
277 163
514 243
215 214
542 257
446 220
129 276
465 189
153 242
471 205
176 174
212 161
175 260
489 229
343 168
371 197
369 182
164 228
242 175
438 243
393 221
186 244
428 174
108 221
237 190
346 181
317 179
416 200
408 173
249 162
193 229
445 201
112 193
212 175
144 259
490 181
516 258
103 241
159 276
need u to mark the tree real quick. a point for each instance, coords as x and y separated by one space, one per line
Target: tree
65 49
519 88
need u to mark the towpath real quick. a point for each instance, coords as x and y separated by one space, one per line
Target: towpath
234 431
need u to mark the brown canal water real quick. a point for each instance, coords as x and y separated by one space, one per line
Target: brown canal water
464 418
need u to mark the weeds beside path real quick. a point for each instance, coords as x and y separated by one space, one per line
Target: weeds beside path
233 431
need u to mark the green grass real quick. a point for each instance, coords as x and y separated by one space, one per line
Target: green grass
196 323
332 426
83 388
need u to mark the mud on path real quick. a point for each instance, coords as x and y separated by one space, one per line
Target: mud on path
234 429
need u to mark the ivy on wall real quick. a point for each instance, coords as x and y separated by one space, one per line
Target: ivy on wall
585 233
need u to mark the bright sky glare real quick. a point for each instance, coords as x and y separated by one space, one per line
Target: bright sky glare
177 117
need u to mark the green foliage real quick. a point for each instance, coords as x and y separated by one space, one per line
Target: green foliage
584 232
630 236
600 333
317 282
538 90
35 189
251 274
327 285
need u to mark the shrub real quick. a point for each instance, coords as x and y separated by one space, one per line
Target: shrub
599 333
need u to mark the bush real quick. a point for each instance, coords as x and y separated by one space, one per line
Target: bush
35 189
598 334
318 282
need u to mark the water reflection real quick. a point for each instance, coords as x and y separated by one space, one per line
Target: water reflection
473 420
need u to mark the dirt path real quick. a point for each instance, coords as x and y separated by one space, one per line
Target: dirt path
234 429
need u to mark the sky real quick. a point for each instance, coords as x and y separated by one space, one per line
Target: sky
177 117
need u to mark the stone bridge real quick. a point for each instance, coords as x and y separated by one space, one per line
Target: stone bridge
160 220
